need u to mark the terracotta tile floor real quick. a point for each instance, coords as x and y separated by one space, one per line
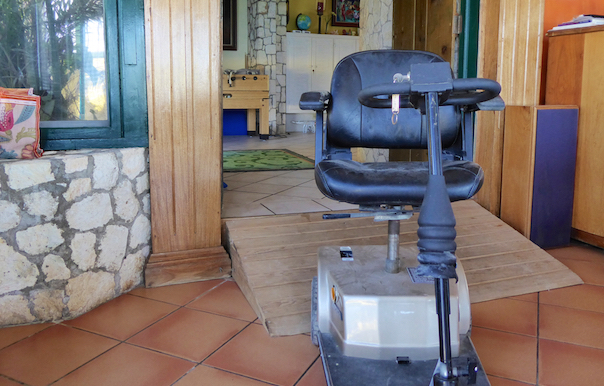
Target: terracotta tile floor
205 333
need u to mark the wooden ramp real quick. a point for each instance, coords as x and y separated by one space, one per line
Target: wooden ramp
275 258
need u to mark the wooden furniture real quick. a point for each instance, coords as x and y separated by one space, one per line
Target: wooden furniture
538 172
311 59
183 43
576 76
248 92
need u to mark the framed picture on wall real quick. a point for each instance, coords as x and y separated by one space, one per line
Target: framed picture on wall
229 25
347 13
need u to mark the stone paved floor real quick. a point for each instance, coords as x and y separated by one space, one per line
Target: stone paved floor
274 192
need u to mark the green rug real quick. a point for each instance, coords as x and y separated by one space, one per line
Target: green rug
262 160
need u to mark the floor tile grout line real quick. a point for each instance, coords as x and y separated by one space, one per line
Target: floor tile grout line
268 209
225 343
505 332
205 293
184 375
217 314
92 359
28 336
318 358
119 343
125 341
14 380
573 308
192 361
152 324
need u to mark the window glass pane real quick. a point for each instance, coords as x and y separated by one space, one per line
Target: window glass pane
58 48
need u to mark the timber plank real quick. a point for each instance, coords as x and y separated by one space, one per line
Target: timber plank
348 224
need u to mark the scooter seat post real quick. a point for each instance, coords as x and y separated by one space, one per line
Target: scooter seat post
393 260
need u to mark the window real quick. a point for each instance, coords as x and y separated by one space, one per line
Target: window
86 59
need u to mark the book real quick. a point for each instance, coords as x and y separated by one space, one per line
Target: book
581 21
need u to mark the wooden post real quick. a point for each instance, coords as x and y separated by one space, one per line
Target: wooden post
510 51
184 76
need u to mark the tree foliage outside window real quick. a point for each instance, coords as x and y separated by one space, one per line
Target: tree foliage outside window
86 59
58 48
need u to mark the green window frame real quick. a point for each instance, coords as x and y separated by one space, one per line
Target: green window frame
127 92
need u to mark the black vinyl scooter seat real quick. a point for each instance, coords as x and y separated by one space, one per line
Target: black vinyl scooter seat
393 183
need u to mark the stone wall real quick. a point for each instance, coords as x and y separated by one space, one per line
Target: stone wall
267 25
375 25
75 232
375 33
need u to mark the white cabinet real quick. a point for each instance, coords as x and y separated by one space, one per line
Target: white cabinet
311 59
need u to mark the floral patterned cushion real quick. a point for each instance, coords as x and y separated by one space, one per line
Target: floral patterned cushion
19 124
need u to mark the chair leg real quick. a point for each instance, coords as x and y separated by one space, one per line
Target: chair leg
393 260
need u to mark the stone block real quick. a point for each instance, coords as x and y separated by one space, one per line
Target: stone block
92 212
23 175
126 203
77 188
142 184
89 290
140 233
260 21
282 8
281 80
134 161
11 215
146 204
271 49
131 273
48 304
40 238
15 310
75 164
55 269
41 204
105 172
16 272
262 59
272 9
82 250
281 58
112 247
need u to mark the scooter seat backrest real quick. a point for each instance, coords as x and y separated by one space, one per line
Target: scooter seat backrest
350 124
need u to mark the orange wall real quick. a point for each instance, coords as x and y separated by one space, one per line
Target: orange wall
559 11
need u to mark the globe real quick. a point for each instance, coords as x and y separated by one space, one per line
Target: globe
303 22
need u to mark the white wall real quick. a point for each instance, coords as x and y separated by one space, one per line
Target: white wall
234 60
